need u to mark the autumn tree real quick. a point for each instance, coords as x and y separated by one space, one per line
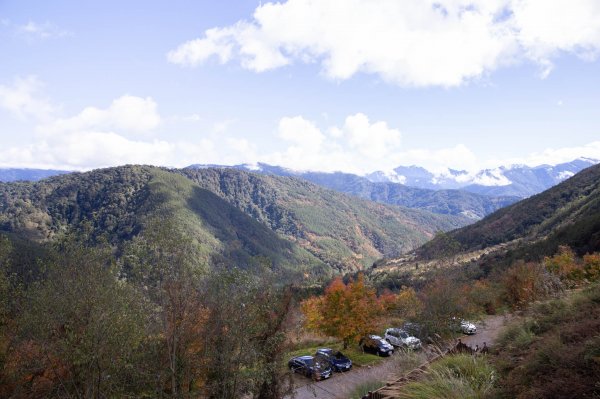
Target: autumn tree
591 266
407 304
564 264
527 282
345 311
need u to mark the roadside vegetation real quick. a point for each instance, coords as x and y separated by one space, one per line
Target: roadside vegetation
459 376
554 350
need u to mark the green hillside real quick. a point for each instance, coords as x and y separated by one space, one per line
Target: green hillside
567 214
119 204
343 231
229 216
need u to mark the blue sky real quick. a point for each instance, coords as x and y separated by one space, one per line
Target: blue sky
351 85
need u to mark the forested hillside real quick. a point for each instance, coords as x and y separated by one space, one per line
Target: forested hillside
231 216
447 202
567 214
341 230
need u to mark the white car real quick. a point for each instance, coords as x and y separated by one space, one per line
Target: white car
399 337
467 327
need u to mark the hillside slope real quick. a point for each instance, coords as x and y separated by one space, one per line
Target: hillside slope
345 232
238 216
447 202
567 214
118 204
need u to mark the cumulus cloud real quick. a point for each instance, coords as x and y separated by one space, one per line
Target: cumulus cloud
126 131
355 146
127 113
409 43
24 99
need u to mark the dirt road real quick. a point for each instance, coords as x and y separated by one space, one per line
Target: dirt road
487 331
341 385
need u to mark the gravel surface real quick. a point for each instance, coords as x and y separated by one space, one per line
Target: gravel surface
340 385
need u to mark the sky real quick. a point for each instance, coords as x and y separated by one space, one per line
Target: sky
328 85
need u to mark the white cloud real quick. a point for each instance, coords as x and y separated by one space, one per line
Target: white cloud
554 156
127 113
100 137
41 31
409 43
356 146
24 100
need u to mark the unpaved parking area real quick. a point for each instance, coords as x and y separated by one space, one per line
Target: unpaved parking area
340 385
487 331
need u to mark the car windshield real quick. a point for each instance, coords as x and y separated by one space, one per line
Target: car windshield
339 355
404 335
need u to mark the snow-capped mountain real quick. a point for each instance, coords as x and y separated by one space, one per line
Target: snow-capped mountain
515 180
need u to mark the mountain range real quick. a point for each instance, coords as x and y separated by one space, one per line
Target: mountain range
239 217
453 192
450 202
22 174
566 214
514 180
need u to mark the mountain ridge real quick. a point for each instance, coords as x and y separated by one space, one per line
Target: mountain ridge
238 216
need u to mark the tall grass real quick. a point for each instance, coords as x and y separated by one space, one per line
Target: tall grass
458 376
364 388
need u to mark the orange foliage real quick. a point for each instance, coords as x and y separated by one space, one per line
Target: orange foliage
344 311
591 266
564 264
527 282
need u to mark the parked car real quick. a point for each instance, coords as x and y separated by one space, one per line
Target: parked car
377 345
315 368
336 359
464 326
467 327
400 338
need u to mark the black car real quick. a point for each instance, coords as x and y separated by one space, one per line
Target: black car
375 344
316 368
336 359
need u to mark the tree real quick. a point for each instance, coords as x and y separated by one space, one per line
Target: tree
82 329
442 301
245 336
527 282
407 304
344 311
564 265
591 265
164 263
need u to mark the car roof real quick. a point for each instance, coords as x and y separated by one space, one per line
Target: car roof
306 357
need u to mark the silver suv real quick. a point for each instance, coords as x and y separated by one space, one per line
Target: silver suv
399 337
